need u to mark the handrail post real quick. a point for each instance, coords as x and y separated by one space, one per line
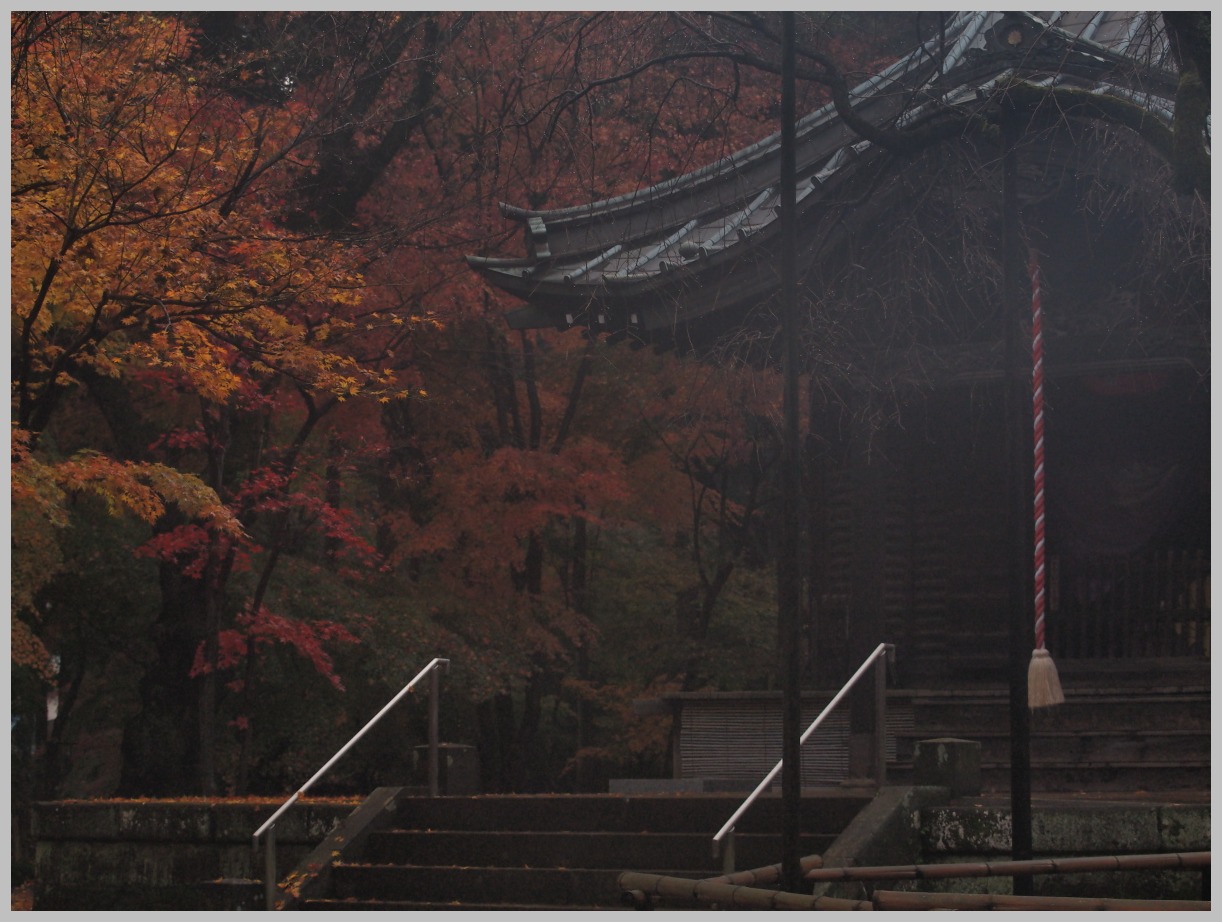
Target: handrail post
880 720
270 875
434 732
269 827
727 854
883 654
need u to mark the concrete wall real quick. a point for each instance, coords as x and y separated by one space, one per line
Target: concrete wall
162 855
166 854
982 834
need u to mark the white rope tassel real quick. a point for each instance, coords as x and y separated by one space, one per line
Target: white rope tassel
1043 683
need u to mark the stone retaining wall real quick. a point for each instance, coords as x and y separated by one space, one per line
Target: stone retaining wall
166 854
982 834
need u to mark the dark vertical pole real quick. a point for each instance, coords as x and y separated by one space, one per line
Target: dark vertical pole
434 732
867 588
880 720
270 875
789 576
1019 488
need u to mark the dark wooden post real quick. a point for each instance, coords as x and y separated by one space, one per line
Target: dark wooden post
434 733
880 719
1019 488
789 576
868 588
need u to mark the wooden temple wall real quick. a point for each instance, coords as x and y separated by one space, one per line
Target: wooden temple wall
941 524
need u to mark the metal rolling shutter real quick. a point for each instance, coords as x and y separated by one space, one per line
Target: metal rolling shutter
740 739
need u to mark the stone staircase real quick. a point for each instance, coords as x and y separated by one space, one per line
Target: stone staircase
1124 726
543 851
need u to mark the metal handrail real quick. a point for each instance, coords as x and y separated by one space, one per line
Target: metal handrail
728 829
269 864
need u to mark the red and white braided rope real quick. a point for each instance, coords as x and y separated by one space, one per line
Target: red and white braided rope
1037 396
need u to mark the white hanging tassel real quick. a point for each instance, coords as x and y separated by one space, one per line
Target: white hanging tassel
1043 683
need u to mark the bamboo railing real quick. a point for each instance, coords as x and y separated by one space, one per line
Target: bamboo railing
740 890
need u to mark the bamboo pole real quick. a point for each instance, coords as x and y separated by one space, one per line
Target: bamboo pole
1156 862
728 892
769 874
897 901
638 886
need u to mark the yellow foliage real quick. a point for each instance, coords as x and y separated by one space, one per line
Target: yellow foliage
40 491
28 650
133 210
142 489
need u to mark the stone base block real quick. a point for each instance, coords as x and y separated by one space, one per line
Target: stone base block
950 763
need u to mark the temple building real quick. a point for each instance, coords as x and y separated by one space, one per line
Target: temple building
907 303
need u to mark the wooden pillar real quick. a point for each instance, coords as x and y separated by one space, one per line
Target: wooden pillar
826 654
789 566
1018 523
866 623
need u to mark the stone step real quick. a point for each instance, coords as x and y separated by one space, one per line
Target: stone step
534 852
1096 746
1058 776
829 808
1108 776
558 886
1137 711
354 905
1142 725
687 851
1135 725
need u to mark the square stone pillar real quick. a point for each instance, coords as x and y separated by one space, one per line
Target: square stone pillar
950 763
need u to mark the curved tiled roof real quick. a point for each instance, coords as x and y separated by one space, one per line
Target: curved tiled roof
617 264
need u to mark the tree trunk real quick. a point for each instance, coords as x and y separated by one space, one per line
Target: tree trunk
161 741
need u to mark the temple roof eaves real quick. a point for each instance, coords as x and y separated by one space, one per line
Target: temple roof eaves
667 234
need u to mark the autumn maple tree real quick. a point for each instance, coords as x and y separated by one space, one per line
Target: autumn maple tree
249 359
153 277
